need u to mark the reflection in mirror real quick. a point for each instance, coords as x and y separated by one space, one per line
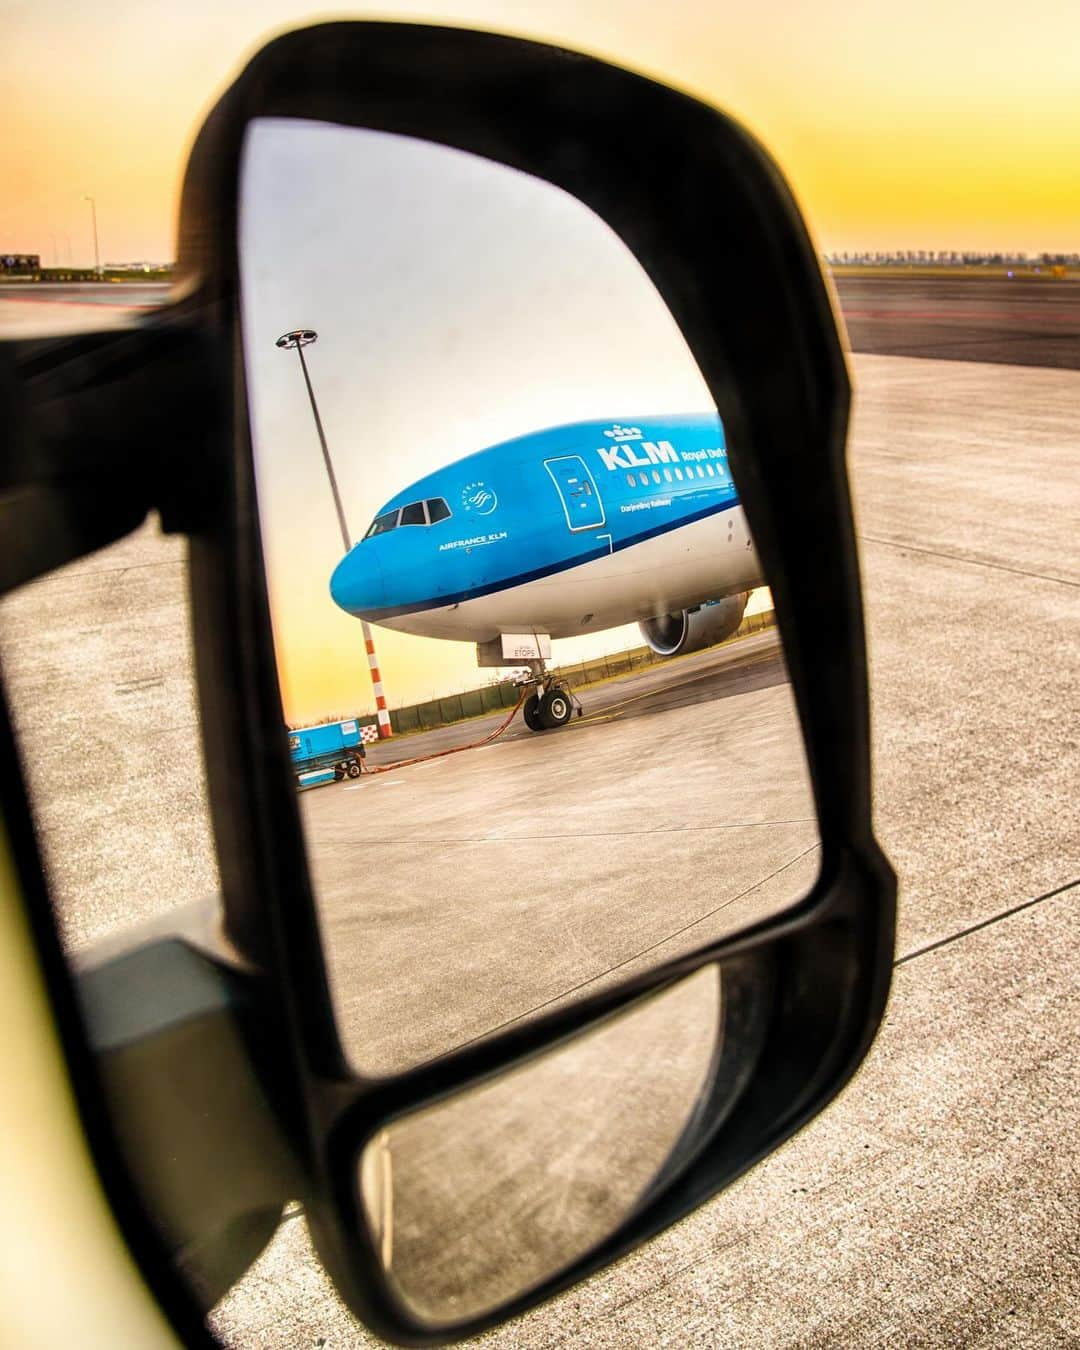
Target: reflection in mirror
495 497
479 1198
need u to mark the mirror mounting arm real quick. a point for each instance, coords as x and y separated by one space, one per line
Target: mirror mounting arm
129 420
184 1044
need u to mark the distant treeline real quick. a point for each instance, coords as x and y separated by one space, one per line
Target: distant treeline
932 258
121 275
946 258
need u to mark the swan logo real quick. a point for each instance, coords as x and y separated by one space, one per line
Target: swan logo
480 498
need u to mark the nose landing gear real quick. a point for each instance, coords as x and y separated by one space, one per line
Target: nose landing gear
551 703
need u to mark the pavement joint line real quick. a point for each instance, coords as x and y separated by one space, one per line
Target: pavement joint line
986 923
85 574
636 956
972 562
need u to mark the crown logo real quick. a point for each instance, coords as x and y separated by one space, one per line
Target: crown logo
618 433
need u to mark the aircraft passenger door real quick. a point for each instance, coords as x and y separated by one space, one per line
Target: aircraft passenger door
577 491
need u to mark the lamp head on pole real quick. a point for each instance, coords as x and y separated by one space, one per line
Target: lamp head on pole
299 337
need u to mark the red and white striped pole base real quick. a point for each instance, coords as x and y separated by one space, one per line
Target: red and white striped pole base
381 711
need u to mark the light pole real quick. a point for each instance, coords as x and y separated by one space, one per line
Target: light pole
93 216
297 340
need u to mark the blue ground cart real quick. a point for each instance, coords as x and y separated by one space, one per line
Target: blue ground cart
326 753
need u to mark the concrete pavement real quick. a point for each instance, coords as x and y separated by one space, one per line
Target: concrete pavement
480 889
935 1202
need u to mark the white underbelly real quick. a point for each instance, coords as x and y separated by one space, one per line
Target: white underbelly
705 560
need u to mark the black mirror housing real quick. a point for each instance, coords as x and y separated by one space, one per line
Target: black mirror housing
708 215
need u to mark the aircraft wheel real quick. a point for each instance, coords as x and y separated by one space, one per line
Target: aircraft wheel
530 710
353 770
339 772
556 708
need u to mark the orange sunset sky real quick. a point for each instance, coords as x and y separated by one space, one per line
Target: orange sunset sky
901 123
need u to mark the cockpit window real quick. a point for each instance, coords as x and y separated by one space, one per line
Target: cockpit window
381 524
412 514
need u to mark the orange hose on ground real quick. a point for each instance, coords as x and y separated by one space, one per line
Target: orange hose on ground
454 749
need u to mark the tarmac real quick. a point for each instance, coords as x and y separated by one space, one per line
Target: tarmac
477 890
1024 321
935 1202
47 309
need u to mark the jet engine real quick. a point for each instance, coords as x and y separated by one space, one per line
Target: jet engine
693 629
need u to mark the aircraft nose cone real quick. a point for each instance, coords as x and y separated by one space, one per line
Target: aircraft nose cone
357 584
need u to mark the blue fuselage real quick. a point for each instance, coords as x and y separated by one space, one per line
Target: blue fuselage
565 530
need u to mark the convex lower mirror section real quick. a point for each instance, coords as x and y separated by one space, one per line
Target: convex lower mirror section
478 1199
499 519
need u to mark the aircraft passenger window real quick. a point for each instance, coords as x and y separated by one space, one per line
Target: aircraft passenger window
437 510
644 480
380 525
709 467
700 471
655 476
678 474
413 514
630 479
667 475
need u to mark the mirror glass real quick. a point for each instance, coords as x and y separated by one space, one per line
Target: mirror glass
500 524
478 1199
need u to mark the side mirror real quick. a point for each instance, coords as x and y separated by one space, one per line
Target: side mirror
486 348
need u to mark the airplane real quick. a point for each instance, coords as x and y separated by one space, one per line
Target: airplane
558 533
